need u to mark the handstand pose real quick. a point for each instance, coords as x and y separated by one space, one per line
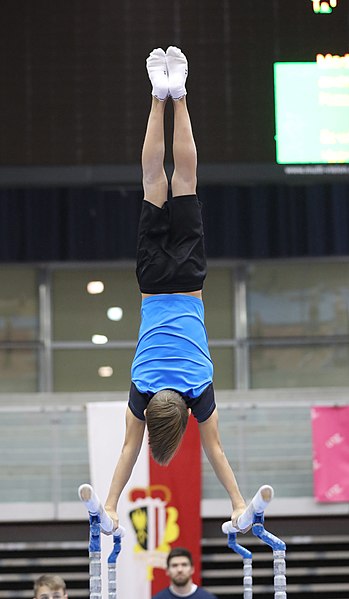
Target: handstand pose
172 369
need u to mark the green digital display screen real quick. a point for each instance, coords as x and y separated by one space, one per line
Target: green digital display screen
312 111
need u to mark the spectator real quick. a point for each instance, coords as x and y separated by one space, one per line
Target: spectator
180 569
50 586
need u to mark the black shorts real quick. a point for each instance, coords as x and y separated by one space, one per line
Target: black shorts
170 251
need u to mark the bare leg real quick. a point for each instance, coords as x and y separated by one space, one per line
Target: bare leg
184 151
155 182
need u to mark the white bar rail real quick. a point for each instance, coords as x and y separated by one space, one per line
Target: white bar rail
258 504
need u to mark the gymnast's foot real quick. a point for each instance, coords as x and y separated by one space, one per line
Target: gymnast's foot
157 71
177 66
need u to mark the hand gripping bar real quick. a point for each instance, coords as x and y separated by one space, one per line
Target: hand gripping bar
258 504
94 507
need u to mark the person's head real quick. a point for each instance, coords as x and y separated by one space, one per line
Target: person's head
50 586
167 417
180 567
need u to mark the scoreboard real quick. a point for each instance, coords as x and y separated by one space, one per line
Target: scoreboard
312 110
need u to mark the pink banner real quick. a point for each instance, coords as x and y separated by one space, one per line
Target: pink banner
330 428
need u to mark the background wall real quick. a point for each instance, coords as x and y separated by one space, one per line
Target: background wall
73 108
76 92
91 223
73 111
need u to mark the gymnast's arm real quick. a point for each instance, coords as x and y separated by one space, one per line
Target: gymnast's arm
128 457
211 443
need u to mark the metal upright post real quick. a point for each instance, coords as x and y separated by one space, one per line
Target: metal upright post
247 561
100 522
95 566
279 553
112 590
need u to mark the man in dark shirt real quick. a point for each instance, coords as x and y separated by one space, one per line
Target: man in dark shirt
180 570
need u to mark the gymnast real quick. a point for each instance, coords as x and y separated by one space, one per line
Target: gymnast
172 370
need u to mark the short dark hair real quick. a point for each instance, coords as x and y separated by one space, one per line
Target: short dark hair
167 418
52 581
179 552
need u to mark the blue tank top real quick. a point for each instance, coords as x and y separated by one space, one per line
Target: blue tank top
172 350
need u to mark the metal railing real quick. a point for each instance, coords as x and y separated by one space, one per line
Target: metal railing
266 436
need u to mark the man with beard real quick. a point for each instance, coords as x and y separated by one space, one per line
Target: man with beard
180 570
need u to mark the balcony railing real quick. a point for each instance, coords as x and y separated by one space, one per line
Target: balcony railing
266 436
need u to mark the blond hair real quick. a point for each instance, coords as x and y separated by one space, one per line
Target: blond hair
52 581
167 418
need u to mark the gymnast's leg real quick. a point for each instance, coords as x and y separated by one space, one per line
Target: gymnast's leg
184 149
155 182
184 152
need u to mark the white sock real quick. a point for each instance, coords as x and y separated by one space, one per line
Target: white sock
177 66
157 71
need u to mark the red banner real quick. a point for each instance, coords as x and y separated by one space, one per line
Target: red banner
179 485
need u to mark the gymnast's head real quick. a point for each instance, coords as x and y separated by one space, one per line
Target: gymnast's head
167 417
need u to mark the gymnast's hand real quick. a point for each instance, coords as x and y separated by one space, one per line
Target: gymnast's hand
235 516
113 515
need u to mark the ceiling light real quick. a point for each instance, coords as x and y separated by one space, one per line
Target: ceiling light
99 339
95 287
115 313
105 371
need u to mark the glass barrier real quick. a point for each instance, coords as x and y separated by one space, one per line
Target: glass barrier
267 439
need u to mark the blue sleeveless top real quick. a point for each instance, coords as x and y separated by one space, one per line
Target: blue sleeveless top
172 350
